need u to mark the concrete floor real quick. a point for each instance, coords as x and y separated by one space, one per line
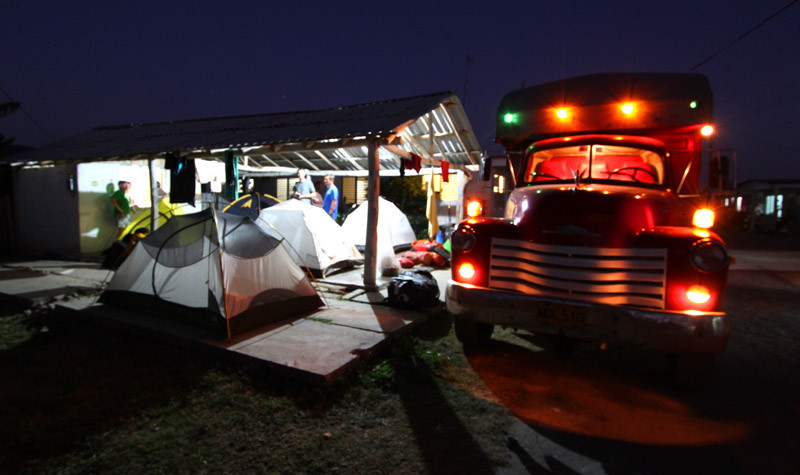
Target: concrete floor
317 347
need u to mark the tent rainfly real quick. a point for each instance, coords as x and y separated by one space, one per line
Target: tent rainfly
215 270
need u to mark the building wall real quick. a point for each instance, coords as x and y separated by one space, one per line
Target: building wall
47 212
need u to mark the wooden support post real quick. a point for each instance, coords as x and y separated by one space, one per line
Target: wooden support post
373 191
153 194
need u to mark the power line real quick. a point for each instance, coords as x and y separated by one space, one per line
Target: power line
743 35
27 114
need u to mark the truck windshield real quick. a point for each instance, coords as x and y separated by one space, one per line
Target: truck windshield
608 163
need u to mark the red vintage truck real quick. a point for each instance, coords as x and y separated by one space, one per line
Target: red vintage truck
605 236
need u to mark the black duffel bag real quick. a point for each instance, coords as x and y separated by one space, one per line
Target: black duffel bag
413 289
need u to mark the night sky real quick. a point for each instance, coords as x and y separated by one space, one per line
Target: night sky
75 67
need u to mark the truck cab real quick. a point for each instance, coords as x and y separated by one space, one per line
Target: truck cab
605 236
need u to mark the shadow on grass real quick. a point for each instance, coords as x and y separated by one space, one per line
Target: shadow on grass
73 380
445 442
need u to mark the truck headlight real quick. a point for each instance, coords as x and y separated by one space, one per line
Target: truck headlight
709 256
462 239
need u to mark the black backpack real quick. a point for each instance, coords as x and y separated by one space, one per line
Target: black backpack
413 289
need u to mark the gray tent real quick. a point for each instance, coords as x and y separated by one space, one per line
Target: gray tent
215 270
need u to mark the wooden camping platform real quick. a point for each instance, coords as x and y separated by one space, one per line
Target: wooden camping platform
316 348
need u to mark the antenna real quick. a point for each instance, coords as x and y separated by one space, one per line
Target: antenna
466 81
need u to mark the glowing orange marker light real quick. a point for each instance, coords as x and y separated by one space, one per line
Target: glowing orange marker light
703 218
707 130
466 271
698 294
474 209
627 108
562 113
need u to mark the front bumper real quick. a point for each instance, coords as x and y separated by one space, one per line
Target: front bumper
674 332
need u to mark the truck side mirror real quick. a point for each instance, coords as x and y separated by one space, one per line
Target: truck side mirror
719 172
486 168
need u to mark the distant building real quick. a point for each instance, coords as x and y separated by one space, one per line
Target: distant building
766 206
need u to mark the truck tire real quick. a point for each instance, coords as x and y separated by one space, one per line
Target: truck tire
691 370
471 333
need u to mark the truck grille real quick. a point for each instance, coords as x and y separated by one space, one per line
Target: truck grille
634 277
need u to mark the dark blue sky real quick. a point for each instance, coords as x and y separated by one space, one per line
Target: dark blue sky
78 67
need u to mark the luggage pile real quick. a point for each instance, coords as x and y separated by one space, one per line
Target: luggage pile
425 252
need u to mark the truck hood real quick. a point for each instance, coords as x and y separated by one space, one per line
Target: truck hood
590 214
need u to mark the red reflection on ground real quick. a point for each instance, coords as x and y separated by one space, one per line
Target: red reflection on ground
597 399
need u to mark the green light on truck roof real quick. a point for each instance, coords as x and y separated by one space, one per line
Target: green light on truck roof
510 118
693 105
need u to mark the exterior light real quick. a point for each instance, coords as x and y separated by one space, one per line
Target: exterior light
466 270
462 239
474 209
693 105
562 113
707 130
709 256
698 294
627 108
703 218
510 118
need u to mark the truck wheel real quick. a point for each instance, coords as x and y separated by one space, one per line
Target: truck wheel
691 370
473 333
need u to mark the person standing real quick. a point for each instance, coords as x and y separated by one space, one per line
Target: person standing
331 200
303 189
123 206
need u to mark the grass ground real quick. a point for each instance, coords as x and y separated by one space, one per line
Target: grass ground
80 399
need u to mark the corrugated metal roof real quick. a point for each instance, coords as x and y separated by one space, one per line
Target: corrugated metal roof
329 139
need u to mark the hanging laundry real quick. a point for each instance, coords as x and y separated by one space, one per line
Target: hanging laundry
182 181
416 162
445 171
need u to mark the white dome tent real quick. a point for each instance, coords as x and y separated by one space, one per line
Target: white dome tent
394 232
317 241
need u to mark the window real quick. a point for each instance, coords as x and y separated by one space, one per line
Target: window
770 207
354 189
595 162
285 188
448 190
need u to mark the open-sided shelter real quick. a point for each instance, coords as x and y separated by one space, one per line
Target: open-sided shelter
215 270
357 140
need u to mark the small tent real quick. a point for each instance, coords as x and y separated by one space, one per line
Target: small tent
394 233
395 223
251 204
215 270
141 219
317 240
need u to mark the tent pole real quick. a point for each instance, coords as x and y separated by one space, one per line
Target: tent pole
373 191
151 164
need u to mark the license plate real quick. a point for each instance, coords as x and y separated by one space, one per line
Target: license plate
566 316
